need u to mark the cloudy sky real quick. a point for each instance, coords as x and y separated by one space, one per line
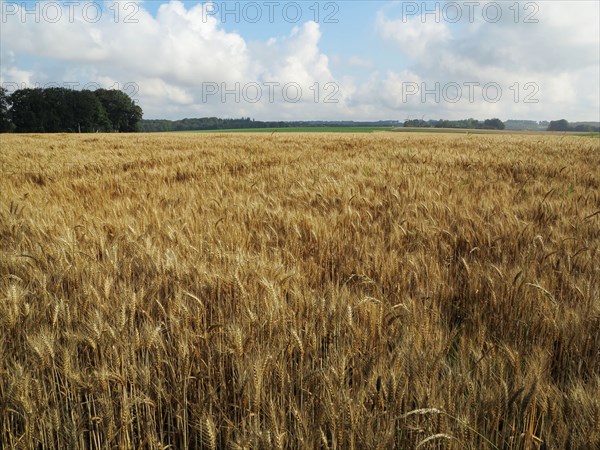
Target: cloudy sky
308 60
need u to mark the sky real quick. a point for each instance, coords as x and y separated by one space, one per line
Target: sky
309 60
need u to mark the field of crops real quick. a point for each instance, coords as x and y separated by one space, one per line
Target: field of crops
334 291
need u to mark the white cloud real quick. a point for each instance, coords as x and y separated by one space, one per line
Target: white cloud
172 55
560 55
15 78
413 37
158 90
180 44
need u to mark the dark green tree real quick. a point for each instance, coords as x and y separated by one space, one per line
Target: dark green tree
88 114
55 110
121 110
494 124
5 122
559 125
28 110
584 127
417 123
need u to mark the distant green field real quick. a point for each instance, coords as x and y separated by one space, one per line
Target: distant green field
478 131
346 130
451 130
299 130
333 129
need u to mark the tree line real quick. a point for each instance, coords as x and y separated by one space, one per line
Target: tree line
497 124
471 124
62 110
214 123
204 123
564 125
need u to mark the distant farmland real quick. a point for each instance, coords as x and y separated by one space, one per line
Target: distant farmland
383 290
331 129
343 129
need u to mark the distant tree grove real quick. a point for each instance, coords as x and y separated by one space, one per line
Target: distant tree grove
488 124
62 110
564 125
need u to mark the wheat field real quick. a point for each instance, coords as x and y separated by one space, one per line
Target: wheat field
300 291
